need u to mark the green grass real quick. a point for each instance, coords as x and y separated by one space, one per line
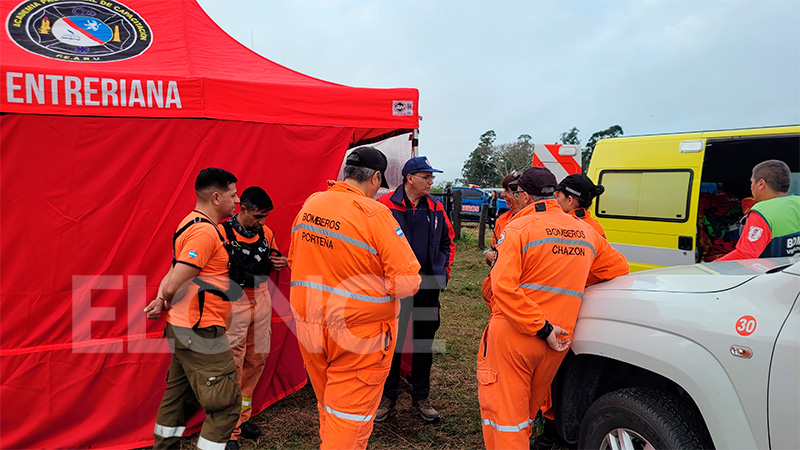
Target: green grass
292 423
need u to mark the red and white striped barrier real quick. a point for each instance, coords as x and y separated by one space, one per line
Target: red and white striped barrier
561 159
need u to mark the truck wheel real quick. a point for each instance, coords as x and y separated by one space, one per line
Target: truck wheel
642 418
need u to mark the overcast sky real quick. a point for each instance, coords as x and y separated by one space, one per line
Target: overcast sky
542 67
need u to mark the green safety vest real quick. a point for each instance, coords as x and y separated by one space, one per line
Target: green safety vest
782 214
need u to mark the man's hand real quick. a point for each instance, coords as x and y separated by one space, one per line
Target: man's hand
555 342
279 262
154 309
491 256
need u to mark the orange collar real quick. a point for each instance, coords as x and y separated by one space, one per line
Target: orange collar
539 206
341 186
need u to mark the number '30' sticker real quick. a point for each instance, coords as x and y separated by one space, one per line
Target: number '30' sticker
746 325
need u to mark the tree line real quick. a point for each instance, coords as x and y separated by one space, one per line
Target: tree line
489 162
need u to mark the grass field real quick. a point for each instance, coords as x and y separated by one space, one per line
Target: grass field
292 423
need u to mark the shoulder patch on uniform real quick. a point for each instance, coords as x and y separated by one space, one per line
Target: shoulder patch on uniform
502 236
399 232
193 254
580 212
541 207
754 234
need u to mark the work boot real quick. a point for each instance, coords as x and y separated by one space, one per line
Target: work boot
386 407
542 442
549 437
250 430
232 445
425 410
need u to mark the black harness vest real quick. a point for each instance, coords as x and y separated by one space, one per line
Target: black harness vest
204 286
249 262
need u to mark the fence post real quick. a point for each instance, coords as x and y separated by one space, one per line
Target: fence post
457 212
482 226
447 198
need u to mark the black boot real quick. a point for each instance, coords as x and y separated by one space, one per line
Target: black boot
548 438
250 430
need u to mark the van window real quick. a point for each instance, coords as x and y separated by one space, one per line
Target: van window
471 194
730 161
660 195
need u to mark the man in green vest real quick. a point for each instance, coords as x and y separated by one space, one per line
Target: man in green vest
773 224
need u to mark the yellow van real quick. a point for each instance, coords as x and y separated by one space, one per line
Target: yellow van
678 198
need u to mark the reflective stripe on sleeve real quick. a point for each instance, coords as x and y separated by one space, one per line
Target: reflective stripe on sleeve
247 402
167 432
342 292
335 235
205 444
508 428
555 290
348 416
554 240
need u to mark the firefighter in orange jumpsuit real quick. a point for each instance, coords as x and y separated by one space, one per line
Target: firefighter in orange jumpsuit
545 260
252 259
351 264
574 194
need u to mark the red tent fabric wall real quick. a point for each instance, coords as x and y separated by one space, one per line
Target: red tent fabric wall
83 209
91 194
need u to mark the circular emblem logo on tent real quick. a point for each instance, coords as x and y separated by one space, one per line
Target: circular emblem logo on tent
79 30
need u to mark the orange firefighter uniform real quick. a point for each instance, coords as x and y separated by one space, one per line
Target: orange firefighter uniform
583 214
545 260
350 266
249 333
499 227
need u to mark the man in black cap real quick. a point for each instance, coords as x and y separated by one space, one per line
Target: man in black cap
350 263
545 259
423 220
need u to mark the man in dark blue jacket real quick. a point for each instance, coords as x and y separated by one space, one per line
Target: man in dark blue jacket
424 223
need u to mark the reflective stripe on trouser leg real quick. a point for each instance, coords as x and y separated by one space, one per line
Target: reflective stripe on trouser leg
504 384
508 428
255 349
172 411
348 383
344 415
205 444
167 432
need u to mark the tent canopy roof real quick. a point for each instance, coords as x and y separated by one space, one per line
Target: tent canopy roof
179 64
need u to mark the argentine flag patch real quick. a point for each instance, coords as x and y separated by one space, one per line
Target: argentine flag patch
399 232
502 236
193 254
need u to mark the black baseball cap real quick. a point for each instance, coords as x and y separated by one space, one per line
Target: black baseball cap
580 186
538 181
371 158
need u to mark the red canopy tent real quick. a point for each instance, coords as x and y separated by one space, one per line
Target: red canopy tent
109 110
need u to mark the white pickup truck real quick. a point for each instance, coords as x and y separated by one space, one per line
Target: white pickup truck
700 356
